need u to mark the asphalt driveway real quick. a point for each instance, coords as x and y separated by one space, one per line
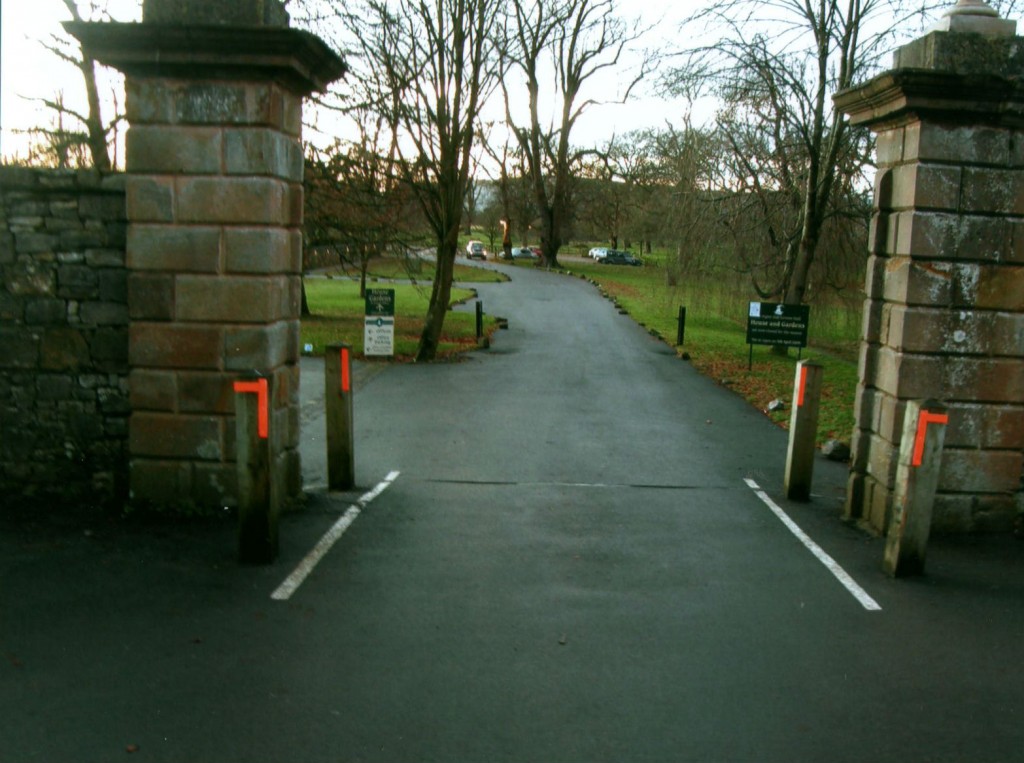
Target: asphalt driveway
565 559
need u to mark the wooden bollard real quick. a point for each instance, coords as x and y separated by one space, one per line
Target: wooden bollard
479 319
917 479
258 502
681 326
803 431
341 464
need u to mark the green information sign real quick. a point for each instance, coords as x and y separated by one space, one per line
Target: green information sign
379 323
775 324
380 302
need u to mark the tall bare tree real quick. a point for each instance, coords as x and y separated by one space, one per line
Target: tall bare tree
430 66
774 65
507 168
577 39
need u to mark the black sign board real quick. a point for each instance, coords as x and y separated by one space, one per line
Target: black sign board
380 301
775 324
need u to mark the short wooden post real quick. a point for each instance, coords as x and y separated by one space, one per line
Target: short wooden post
681 327
803 431
479 319
341 465
917 479
258 502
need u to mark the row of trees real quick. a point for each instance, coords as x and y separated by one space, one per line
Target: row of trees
778 173
424 73
772 183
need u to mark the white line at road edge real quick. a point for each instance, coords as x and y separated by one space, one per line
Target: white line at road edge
293 581
833 566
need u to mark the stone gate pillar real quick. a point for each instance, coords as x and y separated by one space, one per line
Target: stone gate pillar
214 202
944 314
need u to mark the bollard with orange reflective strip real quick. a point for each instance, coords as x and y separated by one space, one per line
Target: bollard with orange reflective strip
803 431
341 469
917 480
258 502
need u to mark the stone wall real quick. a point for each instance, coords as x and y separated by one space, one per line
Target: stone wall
63 336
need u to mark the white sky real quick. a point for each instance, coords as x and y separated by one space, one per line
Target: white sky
28 70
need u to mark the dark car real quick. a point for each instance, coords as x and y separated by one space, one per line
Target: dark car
615 257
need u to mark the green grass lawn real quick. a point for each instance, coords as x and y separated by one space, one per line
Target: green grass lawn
338 312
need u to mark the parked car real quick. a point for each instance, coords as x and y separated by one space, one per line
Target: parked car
523 253
615 257
475 250
598 252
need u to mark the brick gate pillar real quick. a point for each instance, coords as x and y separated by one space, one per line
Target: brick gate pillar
214 202
944 314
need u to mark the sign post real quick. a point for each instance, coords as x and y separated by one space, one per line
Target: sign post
776 324
379 323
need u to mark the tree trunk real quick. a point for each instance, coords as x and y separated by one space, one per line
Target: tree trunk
364 266
796 292
97 137
549 243
440 298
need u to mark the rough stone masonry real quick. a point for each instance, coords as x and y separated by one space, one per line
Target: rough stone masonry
64 333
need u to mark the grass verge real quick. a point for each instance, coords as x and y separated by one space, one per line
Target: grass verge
338 312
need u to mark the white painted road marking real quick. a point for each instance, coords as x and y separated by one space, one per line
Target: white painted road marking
833 566
293 581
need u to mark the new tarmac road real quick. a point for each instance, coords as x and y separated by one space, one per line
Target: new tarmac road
568 547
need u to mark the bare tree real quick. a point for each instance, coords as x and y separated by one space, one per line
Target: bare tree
96 132
577 39
428 68
354 207
57 144
774 65
512 185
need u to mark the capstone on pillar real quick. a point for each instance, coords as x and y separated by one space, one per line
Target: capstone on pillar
944 308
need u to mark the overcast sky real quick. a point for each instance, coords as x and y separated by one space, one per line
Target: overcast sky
30 71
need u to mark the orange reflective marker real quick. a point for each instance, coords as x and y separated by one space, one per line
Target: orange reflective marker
259 387
923 421
802 387
346 372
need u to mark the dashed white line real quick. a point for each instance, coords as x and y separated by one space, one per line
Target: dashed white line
306 566
833 566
